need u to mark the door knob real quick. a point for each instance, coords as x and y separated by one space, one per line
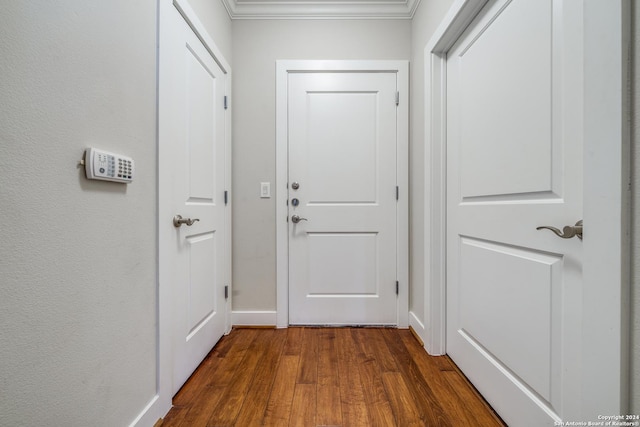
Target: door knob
178 221
567 232
296 219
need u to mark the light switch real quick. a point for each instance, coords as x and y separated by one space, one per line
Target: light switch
265 190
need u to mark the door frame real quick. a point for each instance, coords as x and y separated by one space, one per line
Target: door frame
283 68
606 194
165 349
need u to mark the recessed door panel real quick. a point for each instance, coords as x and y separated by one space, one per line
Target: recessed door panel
505 74
343 166
342 264
519 290
201 96
202 270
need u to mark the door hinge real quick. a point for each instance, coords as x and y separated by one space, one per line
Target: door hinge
397 193
226 291
397 287
226 197
225 102
397 98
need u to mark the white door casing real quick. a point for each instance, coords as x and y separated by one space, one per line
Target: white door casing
342 177
340 222
194 171
600 116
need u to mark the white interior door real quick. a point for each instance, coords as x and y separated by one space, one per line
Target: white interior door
342 184
192 163
514 162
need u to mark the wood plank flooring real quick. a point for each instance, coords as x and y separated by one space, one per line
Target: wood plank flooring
326 377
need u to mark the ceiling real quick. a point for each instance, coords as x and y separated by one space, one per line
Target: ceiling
321 9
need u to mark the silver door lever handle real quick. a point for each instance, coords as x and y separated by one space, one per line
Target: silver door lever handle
178 221
296 219
567 232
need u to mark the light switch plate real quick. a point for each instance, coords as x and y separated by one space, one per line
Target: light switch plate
265 190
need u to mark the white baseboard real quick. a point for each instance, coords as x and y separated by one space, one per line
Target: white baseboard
417 326
423 333
151 413
253 318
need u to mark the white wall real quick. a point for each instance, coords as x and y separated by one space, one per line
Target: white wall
425 21
77 258
635 217
256 47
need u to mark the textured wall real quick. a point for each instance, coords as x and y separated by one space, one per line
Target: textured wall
635 217
256 47
77 257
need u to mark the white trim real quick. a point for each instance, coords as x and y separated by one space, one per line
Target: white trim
458 17
161 403
228 216
165 348
150 414
254 318
189 15
283 67
402 179
606 196
282 237
606 207
417 325
314 9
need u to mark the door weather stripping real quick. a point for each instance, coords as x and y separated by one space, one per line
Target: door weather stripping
397 98
397 193
226 292
397 287
225 102
226 197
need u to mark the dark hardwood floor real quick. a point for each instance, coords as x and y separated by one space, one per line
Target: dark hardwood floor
326 377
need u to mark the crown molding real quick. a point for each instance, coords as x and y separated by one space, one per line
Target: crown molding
319 9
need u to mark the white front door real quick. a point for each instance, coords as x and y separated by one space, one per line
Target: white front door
514 162
342 158
192 168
